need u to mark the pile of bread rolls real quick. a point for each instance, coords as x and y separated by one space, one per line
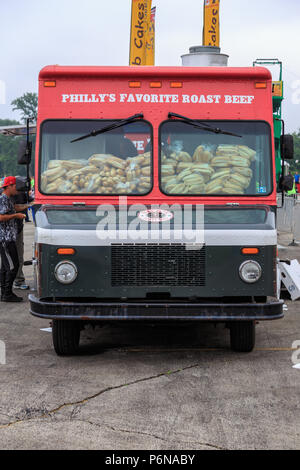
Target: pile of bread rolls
225 172
101 173
183 174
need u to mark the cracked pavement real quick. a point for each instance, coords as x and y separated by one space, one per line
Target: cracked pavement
149 387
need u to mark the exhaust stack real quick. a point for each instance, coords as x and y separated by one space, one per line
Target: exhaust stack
204 56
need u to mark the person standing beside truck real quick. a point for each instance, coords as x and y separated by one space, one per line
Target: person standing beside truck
8 235
20 200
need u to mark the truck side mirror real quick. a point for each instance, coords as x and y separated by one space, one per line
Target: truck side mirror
287 147
24 152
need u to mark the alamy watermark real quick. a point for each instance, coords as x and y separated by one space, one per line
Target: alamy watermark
2 92
2 353
162 223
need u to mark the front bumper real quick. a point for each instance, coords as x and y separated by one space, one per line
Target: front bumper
97 311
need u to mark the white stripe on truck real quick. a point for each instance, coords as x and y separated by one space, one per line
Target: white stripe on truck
230 237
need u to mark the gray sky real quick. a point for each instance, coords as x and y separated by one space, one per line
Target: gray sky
96 32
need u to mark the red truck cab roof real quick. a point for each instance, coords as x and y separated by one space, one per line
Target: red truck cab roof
202 93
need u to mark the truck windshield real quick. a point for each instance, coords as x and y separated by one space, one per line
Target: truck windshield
111 163
194 161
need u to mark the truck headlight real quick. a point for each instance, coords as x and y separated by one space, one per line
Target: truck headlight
250 271
65 272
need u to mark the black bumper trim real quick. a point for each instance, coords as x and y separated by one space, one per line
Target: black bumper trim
93 311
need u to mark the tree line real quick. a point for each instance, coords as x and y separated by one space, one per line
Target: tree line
27 105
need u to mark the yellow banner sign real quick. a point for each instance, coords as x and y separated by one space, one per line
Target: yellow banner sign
140 21
211 24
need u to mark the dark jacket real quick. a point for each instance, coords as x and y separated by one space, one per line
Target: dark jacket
21 198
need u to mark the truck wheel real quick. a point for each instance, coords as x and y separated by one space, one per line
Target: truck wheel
65 336
242 336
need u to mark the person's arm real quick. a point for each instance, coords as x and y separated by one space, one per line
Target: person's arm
21 207
6 217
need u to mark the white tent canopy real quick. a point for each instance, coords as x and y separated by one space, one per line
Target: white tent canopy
17 130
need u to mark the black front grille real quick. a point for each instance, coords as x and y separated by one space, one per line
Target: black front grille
157 265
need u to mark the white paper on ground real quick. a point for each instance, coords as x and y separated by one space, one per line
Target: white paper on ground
297 366
48 330
290 276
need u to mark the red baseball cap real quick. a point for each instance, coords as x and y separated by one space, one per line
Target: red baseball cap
8 181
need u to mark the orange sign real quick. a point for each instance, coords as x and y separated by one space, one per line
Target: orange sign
277 89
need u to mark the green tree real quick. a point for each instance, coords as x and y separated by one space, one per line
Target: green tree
27 105
295 164
9 152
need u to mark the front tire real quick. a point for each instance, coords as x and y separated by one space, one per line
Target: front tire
65 336
242 336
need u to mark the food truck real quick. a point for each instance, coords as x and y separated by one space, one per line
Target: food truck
156 189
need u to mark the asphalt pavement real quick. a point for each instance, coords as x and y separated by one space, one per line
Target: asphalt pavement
149 387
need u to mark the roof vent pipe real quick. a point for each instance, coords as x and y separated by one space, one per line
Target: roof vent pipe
204 56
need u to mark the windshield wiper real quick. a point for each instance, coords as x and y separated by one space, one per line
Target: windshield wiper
203 126
117 124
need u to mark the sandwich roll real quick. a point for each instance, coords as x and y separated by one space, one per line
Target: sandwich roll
135 162
177 189
227 150
169 179
145 179
221 173
54 173
201 155
216 183
191 179
207 156
243 171
203 169
214 190
54 164
233 184
167 170
117 163
222 161
170 161
44 182
244 150
240 179
184 157
196 188
183 165
232 190
101 160
53 187
197 156
145 170
184 173
74 164
239 161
